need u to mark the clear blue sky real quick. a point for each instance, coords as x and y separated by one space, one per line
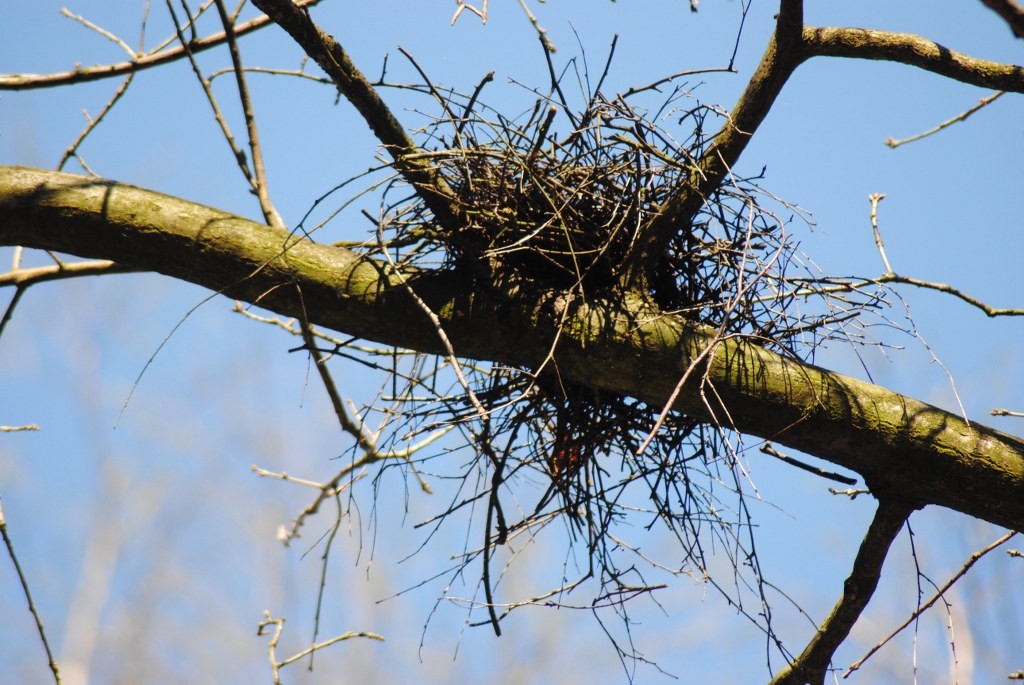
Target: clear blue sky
159 541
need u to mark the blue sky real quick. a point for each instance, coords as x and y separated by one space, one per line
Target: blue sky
181 533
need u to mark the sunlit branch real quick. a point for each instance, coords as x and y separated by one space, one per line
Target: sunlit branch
616 345
270 214
983 102
240 158
275 638
41 274
911 49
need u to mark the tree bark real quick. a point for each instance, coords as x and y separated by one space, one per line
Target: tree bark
900 446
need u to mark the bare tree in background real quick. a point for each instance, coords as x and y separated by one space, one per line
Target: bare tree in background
582 312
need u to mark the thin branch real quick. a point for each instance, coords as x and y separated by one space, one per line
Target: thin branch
21 279
482 13
83 75
1007 412
812 665
911 49
270 214
983 102
874 199
327 643
98 29
15 429
950 290
839 478
974 558
890 276
278 623
28 596
357 430
542 32
94 122
299 73
26 277
218 115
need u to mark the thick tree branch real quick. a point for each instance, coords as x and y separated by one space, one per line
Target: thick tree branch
790 46
812 665
333 59
146 61
1010 12
782 56
901 446
914 50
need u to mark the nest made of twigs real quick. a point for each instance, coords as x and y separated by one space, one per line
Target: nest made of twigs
561 212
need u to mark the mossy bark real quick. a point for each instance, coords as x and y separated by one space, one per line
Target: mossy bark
899 445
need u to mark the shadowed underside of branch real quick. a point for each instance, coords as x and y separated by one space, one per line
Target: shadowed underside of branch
899 445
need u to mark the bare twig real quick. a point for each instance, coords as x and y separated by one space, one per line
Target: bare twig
852 493
884 279
15 429
482 12
812 664
154 59
366 442
839 478
542 33
275 638
875 198
28 596
94 122
436 322
891 277
23 278
354 427
950 290
270 214
229 138
974 558
103 32
1007 412
298 73
983 102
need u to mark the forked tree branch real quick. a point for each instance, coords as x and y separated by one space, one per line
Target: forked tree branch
813 663
332 58
790 46
901 447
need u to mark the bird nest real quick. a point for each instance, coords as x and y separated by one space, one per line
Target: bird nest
557 197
